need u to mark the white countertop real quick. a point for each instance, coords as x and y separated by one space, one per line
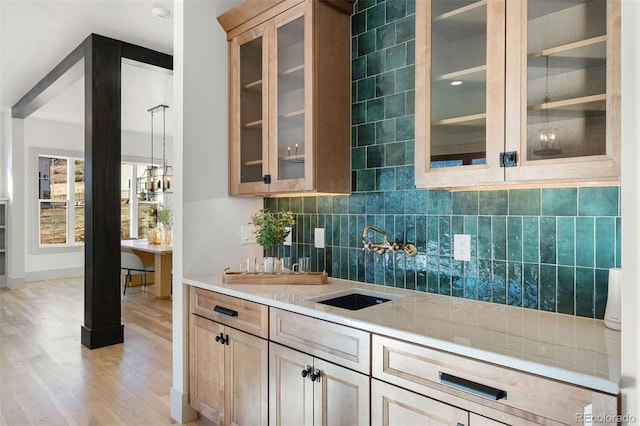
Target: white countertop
571 349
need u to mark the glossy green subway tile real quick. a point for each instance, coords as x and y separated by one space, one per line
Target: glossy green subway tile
396 57
394 202
375 156
444 235
548 288
530 239
369 268
406 29
358 68
484 237
444 274
411 7
585 240
566 290
405 128
410 273
271 204
565 237
471 279
411 52
295 204
358 113
410 107
405 79
394 154
354 49
602 288
375 110
421 272
457 278
416 201
432 235
386 36
324 204
457 225
386 179
374 203
485 278
410 150
340 204
493 202
366 43
618 242
598 201
530 279
344 231
309 205
514 280
514 238
385 84
499 282
405 176
358 158
439 202
433 277
585 291
375 16
366 88
524 202
355 230
471 228
559 201
394 105
396 9
605 242
421 233
364 4
386 131
499 237
358 23
366 180
464 202
375 63
548 240
357 203
366 134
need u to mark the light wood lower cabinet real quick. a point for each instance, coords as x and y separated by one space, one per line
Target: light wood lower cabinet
228 370
305 390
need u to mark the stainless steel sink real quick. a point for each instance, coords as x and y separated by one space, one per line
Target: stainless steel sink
354 299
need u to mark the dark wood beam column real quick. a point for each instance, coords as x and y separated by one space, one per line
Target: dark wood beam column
102 304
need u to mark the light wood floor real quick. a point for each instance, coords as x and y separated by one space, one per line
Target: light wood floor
47 377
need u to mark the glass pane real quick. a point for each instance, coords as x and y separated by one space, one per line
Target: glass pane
52 178
125 200
146 177
291 100
78 191
566 78
53 222
458 82
146 218
251 111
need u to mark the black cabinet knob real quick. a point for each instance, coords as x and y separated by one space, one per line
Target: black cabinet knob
220 337
306 371
315 377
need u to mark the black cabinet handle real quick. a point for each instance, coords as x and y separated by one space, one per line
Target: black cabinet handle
222 339
306 371
225 311
472 387
315 377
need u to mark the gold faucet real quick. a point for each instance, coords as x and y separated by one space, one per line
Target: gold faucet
380 248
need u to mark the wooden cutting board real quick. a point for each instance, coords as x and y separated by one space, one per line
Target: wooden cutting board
291 278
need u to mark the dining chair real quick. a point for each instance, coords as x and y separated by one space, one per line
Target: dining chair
130 265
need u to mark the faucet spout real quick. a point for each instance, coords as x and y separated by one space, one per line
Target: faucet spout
380 248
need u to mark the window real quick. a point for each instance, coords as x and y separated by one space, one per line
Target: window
61 200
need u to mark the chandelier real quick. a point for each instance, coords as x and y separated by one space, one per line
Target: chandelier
156 180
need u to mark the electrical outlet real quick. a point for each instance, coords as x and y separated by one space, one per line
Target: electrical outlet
318 238
462 247
246 234
288 239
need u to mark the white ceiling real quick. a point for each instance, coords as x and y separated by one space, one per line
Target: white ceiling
36 35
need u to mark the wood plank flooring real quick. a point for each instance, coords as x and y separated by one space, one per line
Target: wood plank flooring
48 377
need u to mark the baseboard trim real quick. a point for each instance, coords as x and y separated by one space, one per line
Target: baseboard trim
54 274
15 283
180 410
99 338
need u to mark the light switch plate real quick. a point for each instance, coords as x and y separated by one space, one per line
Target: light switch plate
246 234
318 237
462 247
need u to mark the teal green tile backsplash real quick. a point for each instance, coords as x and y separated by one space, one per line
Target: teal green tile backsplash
538 248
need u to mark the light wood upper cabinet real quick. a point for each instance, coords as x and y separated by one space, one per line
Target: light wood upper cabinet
289 96
539 79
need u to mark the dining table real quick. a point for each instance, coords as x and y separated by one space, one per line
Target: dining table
162 257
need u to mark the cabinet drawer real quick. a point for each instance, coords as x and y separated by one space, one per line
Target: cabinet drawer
434 373
241 314
342 345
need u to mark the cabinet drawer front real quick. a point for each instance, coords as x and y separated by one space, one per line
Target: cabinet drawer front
237 313
342 345
431 372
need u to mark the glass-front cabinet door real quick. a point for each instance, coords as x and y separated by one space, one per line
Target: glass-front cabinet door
459 91
249 97
569 93
291 140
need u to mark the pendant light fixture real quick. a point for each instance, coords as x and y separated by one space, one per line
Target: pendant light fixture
155 180
547 143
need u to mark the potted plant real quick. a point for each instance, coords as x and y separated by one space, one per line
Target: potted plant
271 229
164 217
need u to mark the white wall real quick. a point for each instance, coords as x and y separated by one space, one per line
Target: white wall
208 222
630 207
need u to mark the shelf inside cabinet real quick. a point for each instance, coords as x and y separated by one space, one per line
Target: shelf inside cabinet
252 163
474 120
585 103
253 124
471 78
462 23
295 71
294 158
254 86
584 54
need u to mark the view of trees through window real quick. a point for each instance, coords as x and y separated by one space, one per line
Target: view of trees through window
61 197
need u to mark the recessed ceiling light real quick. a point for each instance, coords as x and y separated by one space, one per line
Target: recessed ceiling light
161 12
456 83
